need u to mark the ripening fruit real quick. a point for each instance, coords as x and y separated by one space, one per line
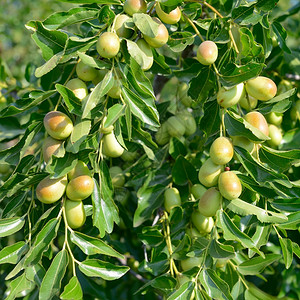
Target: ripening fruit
115 91
75 213
161 38
221 151
229 97
135 6
175 126
78 87
50 147
207 53
85 72
80 169
191 262
80 188
51 190
162 136
198 190
189 122
274 118
261 88
275 136
117 177
108 45
210 202
209 173
243 143
146 49
182 94
171 199
169 18
221 262
58 125
120 26
249 103
111 146
229 185
257 120
202 223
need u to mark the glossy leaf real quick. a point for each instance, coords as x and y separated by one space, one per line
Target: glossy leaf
11 254
72 290
10 226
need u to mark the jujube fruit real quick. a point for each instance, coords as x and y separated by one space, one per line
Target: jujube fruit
198 190
209 173
182 93
115 90
80 169
248 102
85 72
275 136
221 151
161 38
257 120
261 88
229 185
229 97
50 147
274 118
117 176
243 142
171 198
135 6
169 18
192 232
4 168
191 262
162 135
188 121
210 202
78 87
80 188
202 223
108 45
175 126
75 213
146 49
207 53
120 26
111 146
58 125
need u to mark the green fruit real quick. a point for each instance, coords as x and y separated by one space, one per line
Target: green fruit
111 146
198 190
129 156
182 94
207 53
248 102
284 86
115 91
229 185
58 125
75 213
51 190
4 168
117 177
100 75
191 262
80 169
209 173
221 262
274 118
80 188
221 151
261 88
257 120
189 122
175 126
135 6
50 147
171 199
229 97
120 26
147 61
169 18
108 45
161 38
192 232
243 143
85 72
202 223
210 202
275 135
78 87
162 136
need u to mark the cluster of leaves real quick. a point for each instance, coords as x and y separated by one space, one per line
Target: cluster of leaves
256 235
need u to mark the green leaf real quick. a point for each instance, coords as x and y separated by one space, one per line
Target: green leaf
35 273
178 41
260 237
72 290
183 172
49 65
291 205
287 251
93 62
281 36
184 292
91 246
92 1
11 225
113 114
103 269
151 235
292 223
176 148
11 254
218 250
19 285
146 24
52 280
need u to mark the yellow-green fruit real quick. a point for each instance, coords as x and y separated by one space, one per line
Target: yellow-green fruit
295 111
261 88
162 136
175 126
85 72
4 168
117 177
80 188
115 91
284 86
169 18
58 125
229 97
80 169
51 190
274 118
171 199
248 103
243 142
182 94
210 202
111 146
100 75
207 53
50 147
191 262
78 87
221 151
108 45
189 122
161 38
257 120
75 213
221 262
198 190
120 26
147 62
229 185
192 232
202 223
135 6
129 156
275 135
209 173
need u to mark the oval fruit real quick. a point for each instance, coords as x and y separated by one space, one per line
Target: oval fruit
111 146
191 262
274 118
169 18
4 168
207 53
135 6
261 88
229 97
209 173
78 87
80 188
275 136
100 76
257 120
243 142
198 190
210 202
175 126
182 94
202 223
147 62
192 232
108 45
85 72
248 103
80 169
189 122
58 125
161 38
129 156
75 213
117 176
221 151
162 136
115 91
120 26
171 198
229 185
51 190
50 147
